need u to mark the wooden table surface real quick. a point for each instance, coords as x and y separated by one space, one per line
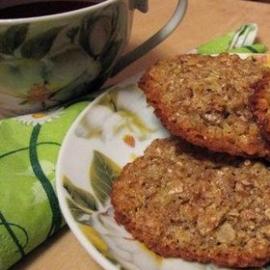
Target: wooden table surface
204 20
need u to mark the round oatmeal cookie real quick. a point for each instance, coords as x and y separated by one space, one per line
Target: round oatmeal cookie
260 104
200 206
205 100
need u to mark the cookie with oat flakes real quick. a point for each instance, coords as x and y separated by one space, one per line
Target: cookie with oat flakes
183 202
205 100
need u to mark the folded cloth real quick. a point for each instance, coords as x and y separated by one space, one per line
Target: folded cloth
243 40
29 210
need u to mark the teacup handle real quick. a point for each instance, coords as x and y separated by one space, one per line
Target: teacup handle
153 41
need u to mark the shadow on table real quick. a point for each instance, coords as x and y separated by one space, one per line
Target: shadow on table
139 65
37 252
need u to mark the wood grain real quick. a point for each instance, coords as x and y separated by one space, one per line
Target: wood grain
204 20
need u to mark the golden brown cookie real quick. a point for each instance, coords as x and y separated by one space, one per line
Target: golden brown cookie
205 207
205 100
260 104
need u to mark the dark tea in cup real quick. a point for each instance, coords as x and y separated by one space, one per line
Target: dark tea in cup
22 9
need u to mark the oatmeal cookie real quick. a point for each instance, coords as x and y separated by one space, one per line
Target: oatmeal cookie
205 100
205 207
260 104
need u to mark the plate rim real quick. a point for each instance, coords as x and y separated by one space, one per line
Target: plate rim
97 256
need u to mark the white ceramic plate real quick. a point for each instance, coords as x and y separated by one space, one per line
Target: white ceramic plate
110 132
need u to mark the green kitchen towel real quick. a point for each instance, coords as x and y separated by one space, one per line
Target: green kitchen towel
243 40
29 210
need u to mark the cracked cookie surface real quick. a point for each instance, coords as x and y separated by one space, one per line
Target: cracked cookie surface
183 202
205 100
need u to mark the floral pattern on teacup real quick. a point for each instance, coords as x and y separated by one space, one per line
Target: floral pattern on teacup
42 68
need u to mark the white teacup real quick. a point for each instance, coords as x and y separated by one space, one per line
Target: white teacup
48 60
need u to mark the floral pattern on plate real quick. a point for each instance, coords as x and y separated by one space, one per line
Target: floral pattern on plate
119 113
112 131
